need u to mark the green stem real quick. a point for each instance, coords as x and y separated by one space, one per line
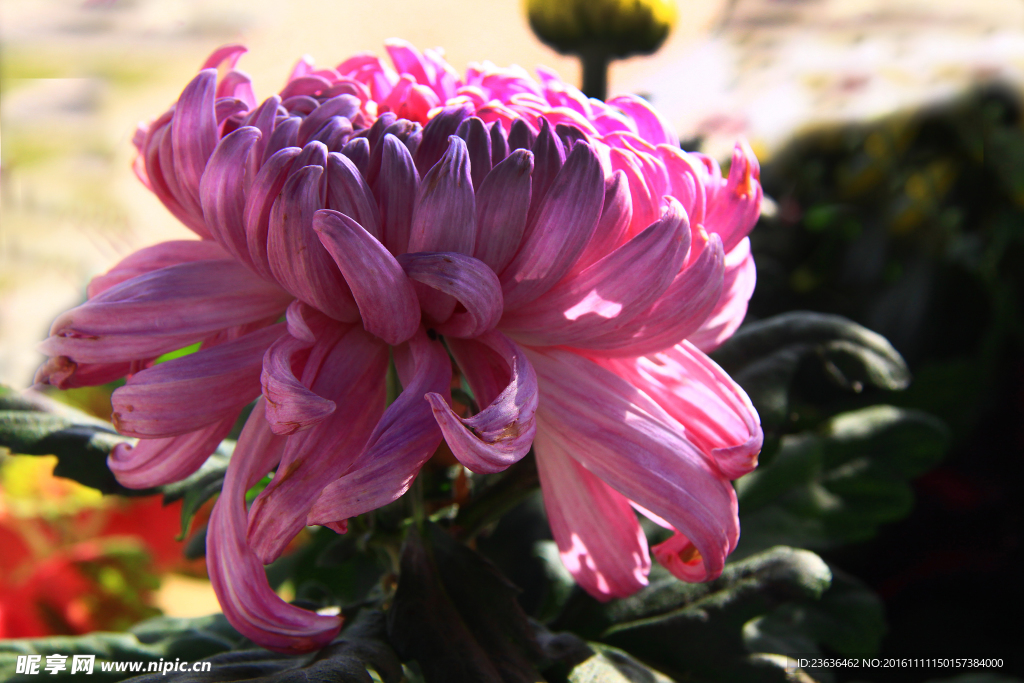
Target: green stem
520 480
595 62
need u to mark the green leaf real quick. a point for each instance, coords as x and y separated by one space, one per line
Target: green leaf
695 631
840 484
457 616
32 424
611 665
149 641
763 358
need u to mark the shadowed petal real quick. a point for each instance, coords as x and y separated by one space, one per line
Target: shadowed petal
237 575
630 442
259 201
564 225
349 194
351 373
297 258
396 190
184 394
502 203
194 132
162 311
406 436
155 462
599 538
468 281
500 434
386 299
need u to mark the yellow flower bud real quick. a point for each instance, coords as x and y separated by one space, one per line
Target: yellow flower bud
617 28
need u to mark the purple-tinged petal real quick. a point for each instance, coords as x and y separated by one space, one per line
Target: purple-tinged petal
561 230
386 299
262 118
396 191
222 191
349 194
466 280
237 575
406 132
263 192
499 143
445 215
155 462
737 288
226 53
478 142
194 131
405 438
521 136
291 407
626 439
678 313
502 433
435 141
616 217
162 311
644 202
334 133
600 299
715 411
548 158
297 259
154 258
308 86
64 373
358 152
343 105
502 203
184 394
599 538
285 135
736 206
352 375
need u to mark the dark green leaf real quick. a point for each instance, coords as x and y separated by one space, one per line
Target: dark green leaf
457 616
763 358
149 641
694 631
32 424
839 484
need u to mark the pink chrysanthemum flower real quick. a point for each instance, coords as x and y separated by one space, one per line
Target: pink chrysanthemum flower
575 261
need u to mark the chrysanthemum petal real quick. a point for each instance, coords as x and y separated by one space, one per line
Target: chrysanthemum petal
715 411
396 190
152 258
445 215
406 436
184 394
564 225
599 538
599 299
736 206
194 132
502 203
351 373
162 311
349 194
501 433
297 258
466 280
237 575
737 288
155 462
679 312
221 191
386 299
626 439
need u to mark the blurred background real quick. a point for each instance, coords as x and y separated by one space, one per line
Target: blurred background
892 146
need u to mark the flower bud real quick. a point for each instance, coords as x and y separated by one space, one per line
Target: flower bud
619 28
